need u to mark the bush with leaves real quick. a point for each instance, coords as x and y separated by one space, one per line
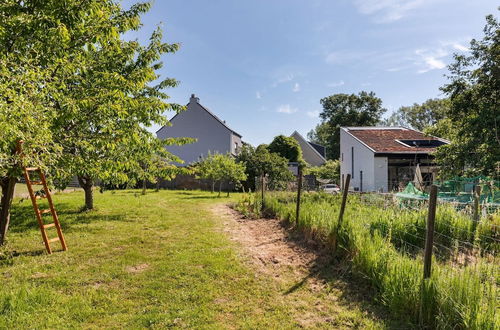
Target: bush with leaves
220 168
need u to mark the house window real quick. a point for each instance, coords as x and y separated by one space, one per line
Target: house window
352 162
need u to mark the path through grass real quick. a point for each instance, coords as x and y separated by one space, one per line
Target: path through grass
159 260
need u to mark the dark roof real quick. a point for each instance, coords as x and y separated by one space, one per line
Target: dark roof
319 148
395 139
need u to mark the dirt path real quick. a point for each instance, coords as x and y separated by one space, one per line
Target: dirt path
319 294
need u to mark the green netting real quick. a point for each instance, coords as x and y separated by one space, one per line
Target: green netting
458 190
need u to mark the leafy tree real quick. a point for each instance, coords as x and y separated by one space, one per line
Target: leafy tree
207 169
105 106
286 147
363 109
40 41
260 162
328 171
474 116
420 116
221 168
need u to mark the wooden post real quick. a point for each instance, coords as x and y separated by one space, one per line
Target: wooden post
429 237
262 189
342 209
299 190
477 211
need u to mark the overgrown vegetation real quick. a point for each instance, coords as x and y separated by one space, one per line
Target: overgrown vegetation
385 245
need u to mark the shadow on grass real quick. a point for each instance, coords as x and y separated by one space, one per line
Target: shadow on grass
355 290
23 217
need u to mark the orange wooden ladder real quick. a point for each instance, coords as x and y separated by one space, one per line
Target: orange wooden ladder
40 213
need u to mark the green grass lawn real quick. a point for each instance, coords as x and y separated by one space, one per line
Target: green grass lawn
159 260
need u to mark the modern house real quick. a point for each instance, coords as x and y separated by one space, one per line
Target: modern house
213 134
313 154
386 158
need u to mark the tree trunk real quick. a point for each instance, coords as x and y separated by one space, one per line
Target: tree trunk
87 184
157 185
7 185
213 186
144 187
220 188
228 189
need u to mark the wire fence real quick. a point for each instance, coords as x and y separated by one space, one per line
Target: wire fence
392 242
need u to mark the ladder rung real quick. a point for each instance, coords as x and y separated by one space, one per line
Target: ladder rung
32 169
49 225
47 211
36 182
54 240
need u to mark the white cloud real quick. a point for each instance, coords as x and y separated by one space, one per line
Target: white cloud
286 108
313 114
460 47
258 95
296 88
386 11
336 83
283 79
430 59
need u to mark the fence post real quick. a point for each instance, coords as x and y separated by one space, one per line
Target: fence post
342 209
429 237
477 211
262 190
299 190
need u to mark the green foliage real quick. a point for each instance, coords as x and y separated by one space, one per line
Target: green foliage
328 171
220 168
363 109
420 116
287 147
261 162
474 114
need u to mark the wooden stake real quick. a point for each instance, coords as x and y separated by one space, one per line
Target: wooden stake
299 190
342 209
262 190
477 205
429 237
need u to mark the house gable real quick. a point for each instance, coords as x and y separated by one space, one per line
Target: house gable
211 134
309 153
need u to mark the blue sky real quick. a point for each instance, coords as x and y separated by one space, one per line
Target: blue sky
264 65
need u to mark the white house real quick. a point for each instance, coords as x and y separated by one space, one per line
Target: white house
212 134
385 158
313 154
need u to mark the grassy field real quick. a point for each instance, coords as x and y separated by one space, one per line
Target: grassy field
386 244
160 260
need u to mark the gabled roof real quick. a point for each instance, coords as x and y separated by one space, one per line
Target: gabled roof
395 139
222 122
319 148
308 144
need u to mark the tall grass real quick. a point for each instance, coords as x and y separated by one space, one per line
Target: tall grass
385 245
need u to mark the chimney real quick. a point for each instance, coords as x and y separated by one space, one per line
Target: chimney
194 99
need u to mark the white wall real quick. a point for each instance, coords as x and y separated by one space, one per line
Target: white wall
197 123
364 160
381 174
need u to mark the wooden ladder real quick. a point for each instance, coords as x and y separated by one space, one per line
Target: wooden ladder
38 212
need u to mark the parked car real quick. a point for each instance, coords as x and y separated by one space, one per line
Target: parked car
331 188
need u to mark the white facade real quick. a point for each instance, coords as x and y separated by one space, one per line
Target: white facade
368 173
211 134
